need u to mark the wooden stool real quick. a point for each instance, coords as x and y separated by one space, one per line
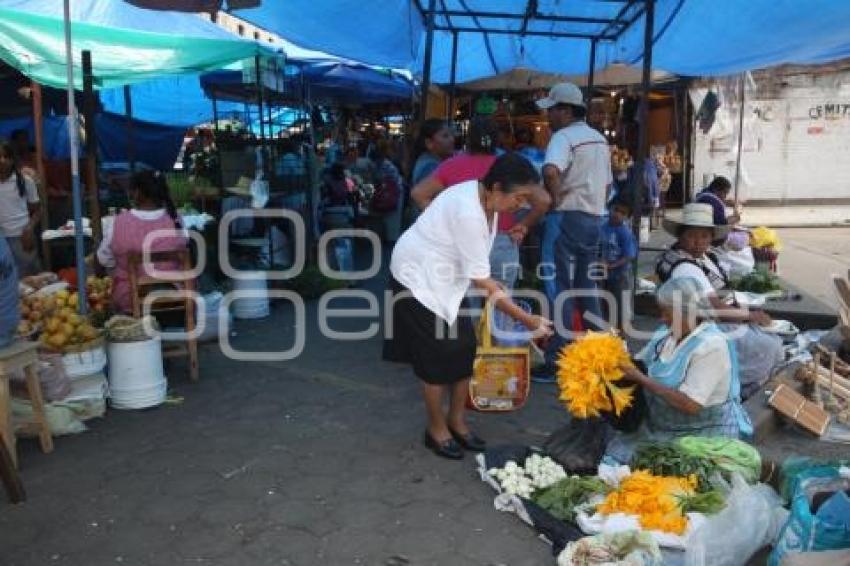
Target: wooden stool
22 356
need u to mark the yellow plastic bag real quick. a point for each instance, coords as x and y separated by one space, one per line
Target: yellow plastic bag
500 375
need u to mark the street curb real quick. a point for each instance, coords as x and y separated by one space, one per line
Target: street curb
843 224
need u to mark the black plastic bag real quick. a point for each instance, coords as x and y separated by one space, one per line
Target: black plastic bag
631 418
498 456
579 446
559 532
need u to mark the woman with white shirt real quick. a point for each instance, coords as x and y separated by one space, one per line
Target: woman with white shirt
19 212
128 234
691 385
433 265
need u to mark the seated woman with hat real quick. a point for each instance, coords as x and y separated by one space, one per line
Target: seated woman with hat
691 257
691 384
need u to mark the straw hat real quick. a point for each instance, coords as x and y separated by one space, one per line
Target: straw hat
698 215
242 187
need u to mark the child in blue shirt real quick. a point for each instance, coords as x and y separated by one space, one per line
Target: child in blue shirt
619 249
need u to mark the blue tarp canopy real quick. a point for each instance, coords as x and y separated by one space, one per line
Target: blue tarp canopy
692 37
330 82
346 83
154 144
176 101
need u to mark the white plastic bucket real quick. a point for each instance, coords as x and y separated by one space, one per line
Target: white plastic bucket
136 376
252 307
141 398
212 308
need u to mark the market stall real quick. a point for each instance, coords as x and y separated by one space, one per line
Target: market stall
126 51
693 500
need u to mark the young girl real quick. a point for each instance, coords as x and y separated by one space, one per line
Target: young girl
153 210
19 212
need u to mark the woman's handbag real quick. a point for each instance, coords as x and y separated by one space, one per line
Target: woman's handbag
500 374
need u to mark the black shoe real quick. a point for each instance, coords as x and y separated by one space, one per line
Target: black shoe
447 449
470 441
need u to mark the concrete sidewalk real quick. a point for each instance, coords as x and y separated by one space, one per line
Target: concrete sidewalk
797 216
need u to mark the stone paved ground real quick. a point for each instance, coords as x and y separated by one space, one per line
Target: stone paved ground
308 462
315 461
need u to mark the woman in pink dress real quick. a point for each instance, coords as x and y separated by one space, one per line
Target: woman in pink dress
153 210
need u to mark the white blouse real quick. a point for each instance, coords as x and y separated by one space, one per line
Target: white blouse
447 247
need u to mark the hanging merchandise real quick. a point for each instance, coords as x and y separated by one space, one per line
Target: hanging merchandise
708 111
486 105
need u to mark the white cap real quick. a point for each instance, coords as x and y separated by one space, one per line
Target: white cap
562 93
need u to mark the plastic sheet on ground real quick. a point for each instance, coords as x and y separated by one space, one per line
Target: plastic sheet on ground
85 401
751 521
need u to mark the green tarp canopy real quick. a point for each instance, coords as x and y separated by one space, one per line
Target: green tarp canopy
128 44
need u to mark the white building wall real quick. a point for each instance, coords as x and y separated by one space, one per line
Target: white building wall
796 142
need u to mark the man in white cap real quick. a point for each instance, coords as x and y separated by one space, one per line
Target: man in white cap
577 173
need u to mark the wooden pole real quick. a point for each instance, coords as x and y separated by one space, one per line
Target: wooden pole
38 126
89 104
429 49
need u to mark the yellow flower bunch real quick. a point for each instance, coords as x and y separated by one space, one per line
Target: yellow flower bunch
764 237
654 499
587 370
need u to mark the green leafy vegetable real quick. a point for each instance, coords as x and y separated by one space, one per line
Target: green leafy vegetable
561 498
759 281
670 460
708 503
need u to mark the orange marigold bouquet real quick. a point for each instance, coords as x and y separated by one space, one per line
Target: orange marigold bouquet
656 500
587 372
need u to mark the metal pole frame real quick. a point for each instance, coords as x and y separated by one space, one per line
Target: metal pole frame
534 33
259 84
74 143
89 109
743 103
643 136
131 141
591 72
453 85
429 49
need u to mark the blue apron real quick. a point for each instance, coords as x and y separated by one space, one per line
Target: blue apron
728 419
